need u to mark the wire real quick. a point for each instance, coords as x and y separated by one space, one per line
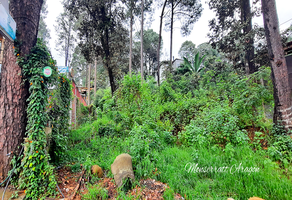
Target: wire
57 183
11 175
286 22
60 191
13 172
4 180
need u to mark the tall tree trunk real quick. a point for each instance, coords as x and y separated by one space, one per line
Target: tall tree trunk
249 43
142 22
171 34
131 41
94 77
88 84
66 54
282 92
68 45
112 81
86 76
14 93
159 43
107 61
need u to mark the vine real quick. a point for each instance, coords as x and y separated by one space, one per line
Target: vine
59 107
36 175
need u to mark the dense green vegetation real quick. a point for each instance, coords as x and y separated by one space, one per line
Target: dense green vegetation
32 172
206 119
35 174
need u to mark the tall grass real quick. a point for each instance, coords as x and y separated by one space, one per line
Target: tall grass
268 183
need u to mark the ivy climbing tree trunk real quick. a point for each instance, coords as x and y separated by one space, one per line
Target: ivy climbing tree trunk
13 93
282 91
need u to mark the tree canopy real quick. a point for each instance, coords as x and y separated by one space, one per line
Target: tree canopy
101 32
66 26
44 31
150 40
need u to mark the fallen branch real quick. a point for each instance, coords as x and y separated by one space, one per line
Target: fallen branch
76 188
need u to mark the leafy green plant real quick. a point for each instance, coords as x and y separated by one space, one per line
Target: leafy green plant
196 66
216 126
168 194
75 167
96 192
36 175
281 145
14 195
58 113
171 126
140 151
258 137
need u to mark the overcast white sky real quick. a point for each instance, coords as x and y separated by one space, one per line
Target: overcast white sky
198 35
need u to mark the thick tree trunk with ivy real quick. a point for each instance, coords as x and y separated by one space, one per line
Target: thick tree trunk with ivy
282 91
13 93
246 18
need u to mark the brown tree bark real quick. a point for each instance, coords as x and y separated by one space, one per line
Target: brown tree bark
159 43
107 60
14 92
112 80
282 92
249 43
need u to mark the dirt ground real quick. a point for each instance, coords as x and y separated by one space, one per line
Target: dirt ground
149 189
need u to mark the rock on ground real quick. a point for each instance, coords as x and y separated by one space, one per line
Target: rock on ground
122 168
95 169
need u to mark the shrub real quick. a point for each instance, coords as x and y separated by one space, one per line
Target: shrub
216 126
281 145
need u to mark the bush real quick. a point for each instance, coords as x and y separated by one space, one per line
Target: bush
281 145
214 126
144 120
144 141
